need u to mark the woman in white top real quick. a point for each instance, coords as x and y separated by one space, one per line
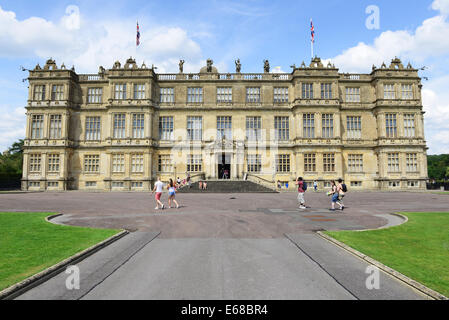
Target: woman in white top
172 194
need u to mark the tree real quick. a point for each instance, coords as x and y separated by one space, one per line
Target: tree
437 166
11 160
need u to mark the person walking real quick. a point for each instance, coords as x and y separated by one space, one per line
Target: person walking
158 187
172 194
341 188
302 187
335 195
188 181
315 186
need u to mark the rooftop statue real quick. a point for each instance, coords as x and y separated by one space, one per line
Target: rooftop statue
181 66
266 66
238 66
210 62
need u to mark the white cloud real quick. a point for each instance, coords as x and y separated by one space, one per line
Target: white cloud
12 125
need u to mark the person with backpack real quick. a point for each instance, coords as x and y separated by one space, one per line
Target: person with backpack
341 189
302 187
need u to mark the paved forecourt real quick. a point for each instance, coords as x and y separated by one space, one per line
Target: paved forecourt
223 246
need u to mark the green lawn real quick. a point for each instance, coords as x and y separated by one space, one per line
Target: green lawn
29 244
418 249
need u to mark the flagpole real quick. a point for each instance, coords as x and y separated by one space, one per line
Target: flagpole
311 43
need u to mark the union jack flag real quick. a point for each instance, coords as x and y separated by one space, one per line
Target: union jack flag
312 30
138 35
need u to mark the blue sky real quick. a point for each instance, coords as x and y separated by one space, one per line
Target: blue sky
92 33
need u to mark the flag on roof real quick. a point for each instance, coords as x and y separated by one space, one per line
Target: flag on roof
138 35
312 30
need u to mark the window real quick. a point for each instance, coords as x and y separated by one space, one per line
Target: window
389 92
37 126
352 95
166 128
94 95
195 128
280 95
93 125
55 126
119 125
307 90
253 95
394 184
167 95
283 163
356 184
53 163
355 163
92 163
195 95
413 184
308 125
224 128
39 93
35 163
281 127
34 184
393 162
136 185
391 125
310 162
117 184
354 127
326 91
407 92
165 163
194 163
254 163
409 125
328 125
52 184
254 128
411 162
137 163
139 91
224 95
138 125
57 92
328 162
120 92
91 184
118 163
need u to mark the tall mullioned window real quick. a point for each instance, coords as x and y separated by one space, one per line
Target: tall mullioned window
308 122
307 90
393 162
328 125
55 126
194 163
137 163
167 95
224 95
329 162
92 163
138 125
283 163
35 163
280 95
355 163
224 128
93 128
53 163
391 125
310 162
195 95
37 126
352 95
253 95
57 92
409 125
166 128
389 93
94 95
354 127
165 163
407 91
119 125
254 163
118 163
326 91
39 93
139 91
254 128
411 162
282 128
120 92
195 128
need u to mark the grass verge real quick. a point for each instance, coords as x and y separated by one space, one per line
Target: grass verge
418 249
29 244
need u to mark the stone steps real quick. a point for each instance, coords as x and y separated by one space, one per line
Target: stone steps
227 186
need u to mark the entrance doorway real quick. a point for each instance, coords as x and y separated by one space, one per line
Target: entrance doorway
224 166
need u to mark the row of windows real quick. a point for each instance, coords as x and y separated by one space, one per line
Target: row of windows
35 163
411 162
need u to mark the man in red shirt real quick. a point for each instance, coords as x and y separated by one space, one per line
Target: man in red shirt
301 191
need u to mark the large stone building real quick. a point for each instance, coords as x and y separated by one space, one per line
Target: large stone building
121 128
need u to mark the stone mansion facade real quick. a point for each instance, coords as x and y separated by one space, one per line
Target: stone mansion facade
121 128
